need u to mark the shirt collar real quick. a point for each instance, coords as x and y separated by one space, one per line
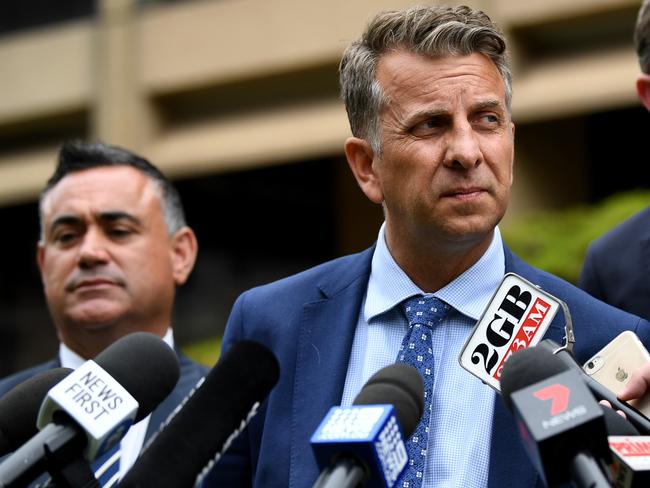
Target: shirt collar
469 293
70 359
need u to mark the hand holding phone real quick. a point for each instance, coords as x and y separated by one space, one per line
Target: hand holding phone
613 365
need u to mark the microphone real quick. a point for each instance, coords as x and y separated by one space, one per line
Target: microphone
561 424
631 466
19 408
91 409
631 453
202 428
363 445
599 391
617 425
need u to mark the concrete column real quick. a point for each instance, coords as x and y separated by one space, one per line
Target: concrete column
122 113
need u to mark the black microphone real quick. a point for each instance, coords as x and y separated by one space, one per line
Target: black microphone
19 408
196 435
616 424
561 424
91 409
362 445
599 391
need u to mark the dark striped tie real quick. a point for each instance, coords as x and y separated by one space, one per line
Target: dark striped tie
107 466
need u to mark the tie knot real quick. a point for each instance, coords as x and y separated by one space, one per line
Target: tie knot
427 311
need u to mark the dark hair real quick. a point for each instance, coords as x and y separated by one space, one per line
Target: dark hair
642 37
77 155
430 31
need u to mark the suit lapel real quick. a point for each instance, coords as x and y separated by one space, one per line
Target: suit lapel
327 329
189 375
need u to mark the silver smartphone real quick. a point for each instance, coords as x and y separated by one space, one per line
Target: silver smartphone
613 365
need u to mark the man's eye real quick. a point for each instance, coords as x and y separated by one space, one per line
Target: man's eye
427 127
65 237
120 232
489 119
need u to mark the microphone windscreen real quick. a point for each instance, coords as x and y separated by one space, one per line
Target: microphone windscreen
19 408
209 419
616 424
401 386
145 366
527 367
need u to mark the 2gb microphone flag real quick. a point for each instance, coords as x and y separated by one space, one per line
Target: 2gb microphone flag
517 317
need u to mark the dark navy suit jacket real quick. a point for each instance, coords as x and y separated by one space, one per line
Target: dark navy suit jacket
308 320
190 374
617 266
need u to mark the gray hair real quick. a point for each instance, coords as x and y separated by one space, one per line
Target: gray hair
642 37
429 31
77 155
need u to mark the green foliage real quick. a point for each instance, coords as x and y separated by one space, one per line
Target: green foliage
556 241
205 351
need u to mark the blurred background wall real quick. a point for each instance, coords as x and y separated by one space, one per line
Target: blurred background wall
237 101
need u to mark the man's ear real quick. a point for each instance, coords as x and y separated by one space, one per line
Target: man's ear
40 256
184 248
361 159
643 89
512 163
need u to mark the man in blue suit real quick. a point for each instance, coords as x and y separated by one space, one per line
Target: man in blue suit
114 245
617 264
427 91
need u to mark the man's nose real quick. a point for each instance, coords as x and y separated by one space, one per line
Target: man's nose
463 148
93 250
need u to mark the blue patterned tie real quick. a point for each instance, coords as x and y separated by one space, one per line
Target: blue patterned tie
422 314
107 466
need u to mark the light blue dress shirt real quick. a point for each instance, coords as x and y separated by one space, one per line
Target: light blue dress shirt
461 419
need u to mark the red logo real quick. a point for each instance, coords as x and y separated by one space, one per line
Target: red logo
558 394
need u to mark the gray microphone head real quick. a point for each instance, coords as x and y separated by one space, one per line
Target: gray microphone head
145 366
19 408
401 386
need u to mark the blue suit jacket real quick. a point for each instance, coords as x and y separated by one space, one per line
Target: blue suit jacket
617 266
190 374
308 320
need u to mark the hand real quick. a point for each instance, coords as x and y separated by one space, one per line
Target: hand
638 385
605 403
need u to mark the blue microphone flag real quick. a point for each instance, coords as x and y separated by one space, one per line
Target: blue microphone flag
366 432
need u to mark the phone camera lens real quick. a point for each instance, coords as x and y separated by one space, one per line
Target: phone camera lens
590 365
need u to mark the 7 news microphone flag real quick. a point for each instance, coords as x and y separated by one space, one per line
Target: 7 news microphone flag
561 424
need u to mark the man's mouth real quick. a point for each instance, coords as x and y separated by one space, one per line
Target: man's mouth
464 193
95 283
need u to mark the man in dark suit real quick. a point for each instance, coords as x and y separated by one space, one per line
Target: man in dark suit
427 91
617 264
114 245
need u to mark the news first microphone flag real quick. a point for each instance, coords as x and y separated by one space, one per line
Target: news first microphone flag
97 402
